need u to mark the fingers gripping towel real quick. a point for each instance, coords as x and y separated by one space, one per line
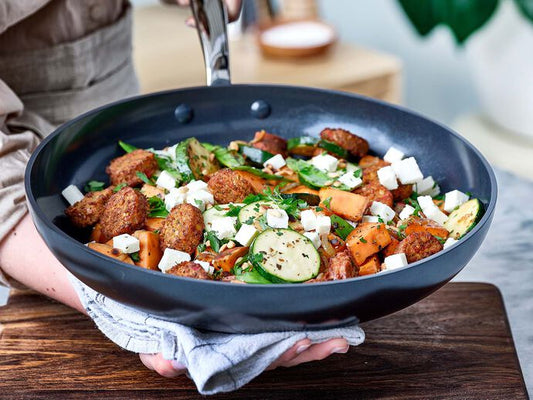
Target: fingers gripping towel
216 362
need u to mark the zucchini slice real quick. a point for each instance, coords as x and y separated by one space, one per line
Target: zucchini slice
254 155
285 256
302 146
333 148
250 213
463 219
216 212
341 227
193 162
226 157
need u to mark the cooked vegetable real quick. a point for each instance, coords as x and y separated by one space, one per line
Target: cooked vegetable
254 155
462 220
311 176
97 235
301 189
333 148
260 173
213 213
415 224
341 226
345 204
370 266
111 252
366 240
258 183
302 146
226 157
310 199
193 160
252 212
153 224
150 252
226 259
283 255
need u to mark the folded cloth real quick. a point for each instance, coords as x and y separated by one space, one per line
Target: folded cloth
216 362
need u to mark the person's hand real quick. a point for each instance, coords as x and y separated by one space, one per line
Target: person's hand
233 7
303 351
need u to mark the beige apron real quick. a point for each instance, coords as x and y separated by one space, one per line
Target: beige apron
64 81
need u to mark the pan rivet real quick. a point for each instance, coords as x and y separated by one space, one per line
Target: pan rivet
183 113
260 109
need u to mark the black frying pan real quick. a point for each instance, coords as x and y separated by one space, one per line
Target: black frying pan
79 150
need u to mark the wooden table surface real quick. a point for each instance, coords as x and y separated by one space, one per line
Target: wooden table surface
455 344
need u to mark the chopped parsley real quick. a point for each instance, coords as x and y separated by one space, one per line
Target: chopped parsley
233 210
94 186
358 173
441 240
363 240
142 176
128 148
119 186
213 241
157 207
291 205
327 203
135 256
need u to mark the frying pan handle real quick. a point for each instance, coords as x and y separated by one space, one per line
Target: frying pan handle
211 19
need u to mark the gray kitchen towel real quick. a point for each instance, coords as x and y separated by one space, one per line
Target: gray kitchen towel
216 362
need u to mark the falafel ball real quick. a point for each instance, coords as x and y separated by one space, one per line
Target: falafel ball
124 169
87 211
182 229
229 186
125 212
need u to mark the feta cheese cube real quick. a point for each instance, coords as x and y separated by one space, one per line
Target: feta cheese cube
407 171
323 224
174 197
246 234
275 162
350 180
382 210
277 218
166 180
224 227
171 258
449 242
427 186
206 266
200 198
387 177
126 243
352 168
406 212
393 155
314 237
430 210
308 219
193 185
325 162
370 218
72 194
395 261
454 199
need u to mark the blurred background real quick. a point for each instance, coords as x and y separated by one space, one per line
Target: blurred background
472 71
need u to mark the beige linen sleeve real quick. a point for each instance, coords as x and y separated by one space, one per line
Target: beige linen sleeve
18 138
13 11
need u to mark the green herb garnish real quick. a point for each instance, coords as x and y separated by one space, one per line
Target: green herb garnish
157 207
327 203
135 256
233 210
94 186
142 176
128 148
119 186
363 240
213 241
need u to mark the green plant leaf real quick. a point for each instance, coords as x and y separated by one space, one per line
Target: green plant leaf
526 8
462 17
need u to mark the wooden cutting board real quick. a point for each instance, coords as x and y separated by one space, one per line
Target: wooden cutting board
455 344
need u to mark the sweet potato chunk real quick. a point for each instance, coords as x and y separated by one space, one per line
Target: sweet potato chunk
226 260
391 247
301 189
111 252
348 205
370 266
367 240
150 253
415 224
97 235
258 184
153 224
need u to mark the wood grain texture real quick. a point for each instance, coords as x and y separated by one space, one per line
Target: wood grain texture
455 344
